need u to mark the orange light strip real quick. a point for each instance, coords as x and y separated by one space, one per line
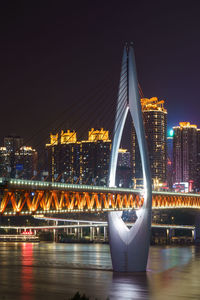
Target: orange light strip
19 202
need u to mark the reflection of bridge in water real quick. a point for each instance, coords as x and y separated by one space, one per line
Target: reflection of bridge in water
21 197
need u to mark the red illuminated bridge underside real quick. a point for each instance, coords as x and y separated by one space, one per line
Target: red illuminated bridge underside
35 201
35 197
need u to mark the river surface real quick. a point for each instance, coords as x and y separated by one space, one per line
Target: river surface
57 271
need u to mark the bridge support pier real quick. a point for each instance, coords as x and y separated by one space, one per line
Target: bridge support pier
76 232
81 232
129 247
55 232
197 230
104 233
90 233
54 235
193 235
170 233
93 233
98 233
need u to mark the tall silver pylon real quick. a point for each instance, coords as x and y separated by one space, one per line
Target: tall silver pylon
130 247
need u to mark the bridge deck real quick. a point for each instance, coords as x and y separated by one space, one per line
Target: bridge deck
36 197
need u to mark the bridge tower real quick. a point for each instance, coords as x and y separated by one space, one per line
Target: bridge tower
130 247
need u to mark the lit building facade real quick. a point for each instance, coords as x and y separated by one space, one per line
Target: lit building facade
185 153
170 159
123 173
94 157
69 160
155 124
4 162
25 162
124 158
63 157
17 160
198 161
12 144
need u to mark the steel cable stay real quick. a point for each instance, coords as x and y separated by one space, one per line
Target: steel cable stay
120 105
85 117
102 91
89 95
123 97
86 97
102 116
102 100
120 114
82 111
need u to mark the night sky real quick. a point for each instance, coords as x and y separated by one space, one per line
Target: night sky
54 54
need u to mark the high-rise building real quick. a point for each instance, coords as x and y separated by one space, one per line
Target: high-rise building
197 185
4 162
63 157
124 158
25 162
123 174
12 144
170 159
86 161
185 153
155 124
94 157
16 160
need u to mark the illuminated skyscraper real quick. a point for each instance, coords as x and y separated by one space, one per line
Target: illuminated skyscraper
155 124
4 162
123 174
198 161
170 158
94 157
86 161
25 162
16 160
12 144
185 149
63 157
124 159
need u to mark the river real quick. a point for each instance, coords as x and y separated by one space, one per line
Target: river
31 271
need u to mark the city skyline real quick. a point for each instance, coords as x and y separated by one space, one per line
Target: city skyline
46 55
99 149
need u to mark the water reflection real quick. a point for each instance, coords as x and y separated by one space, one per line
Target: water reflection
26 271
168 258
129 286
50 271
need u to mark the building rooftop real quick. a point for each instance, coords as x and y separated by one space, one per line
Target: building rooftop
185 125
98 135
71 137
122 150
153 104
